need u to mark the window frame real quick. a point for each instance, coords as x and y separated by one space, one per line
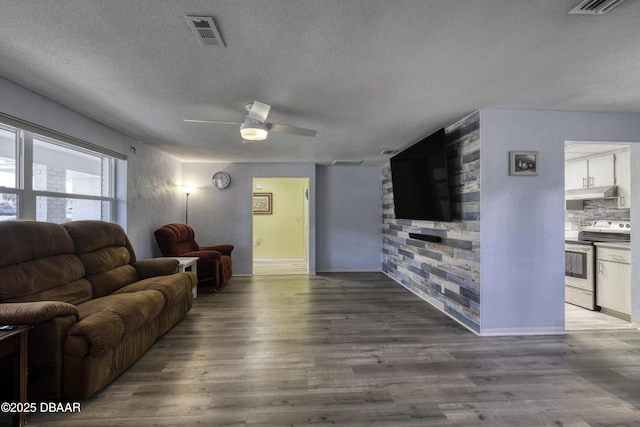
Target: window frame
26 206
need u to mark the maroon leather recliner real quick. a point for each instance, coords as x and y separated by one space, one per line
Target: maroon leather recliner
214 265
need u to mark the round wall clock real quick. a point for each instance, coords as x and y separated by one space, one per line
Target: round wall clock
221 179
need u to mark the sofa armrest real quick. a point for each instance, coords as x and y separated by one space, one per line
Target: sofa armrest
155 267
31 313
223 249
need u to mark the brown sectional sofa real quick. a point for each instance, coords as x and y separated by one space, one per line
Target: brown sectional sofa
95 308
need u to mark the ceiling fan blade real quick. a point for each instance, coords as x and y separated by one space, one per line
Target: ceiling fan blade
259 111
291 129
211 121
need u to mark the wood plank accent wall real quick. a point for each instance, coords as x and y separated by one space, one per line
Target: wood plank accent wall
446 273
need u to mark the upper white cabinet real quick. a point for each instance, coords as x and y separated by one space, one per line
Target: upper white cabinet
586 173
623 178
576 174
601 171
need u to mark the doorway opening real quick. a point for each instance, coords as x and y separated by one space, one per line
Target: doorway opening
280 220
598 191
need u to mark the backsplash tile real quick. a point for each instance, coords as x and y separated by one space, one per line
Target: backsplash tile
597 209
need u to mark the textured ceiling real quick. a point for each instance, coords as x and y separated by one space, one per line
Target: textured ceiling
367 75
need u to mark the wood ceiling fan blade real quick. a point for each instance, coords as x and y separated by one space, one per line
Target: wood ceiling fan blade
259 111
291 129
211 121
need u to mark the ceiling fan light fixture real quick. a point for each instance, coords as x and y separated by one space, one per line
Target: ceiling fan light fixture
253 131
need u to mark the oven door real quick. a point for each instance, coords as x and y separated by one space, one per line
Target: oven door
578 266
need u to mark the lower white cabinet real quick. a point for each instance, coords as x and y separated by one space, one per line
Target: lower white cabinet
613 280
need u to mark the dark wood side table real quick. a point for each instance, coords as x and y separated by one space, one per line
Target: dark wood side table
14 344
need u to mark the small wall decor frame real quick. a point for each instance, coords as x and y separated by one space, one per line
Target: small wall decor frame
262 203
523 163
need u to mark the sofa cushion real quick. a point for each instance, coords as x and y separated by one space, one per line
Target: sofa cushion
105 321
31 240
40 265
172 288
106 282
75 292
106 253
89 236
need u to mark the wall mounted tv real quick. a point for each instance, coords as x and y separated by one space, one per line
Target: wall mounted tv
421 180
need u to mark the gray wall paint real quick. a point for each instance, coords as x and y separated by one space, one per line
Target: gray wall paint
154 197
349 213
23 104
522 218
224 216
151 175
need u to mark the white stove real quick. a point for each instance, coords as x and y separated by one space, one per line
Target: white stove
580 258
604 231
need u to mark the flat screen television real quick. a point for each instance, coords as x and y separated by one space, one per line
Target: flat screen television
421 180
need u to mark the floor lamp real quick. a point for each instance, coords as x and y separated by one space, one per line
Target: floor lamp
186 191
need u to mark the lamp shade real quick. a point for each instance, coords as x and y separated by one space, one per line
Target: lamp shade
253 131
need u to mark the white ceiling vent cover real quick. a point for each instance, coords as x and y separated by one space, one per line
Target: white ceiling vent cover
205 30
594 7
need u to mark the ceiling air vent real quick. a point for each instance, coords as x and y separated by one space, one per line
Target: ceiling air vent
594 7
387 152
205 30
347 162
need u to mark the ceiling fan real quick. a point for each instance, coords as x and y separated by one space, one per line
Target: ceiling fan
255 128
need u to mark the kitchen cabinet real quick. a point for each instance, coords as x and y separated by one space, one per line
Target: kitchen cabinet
602 171
593 172
576 174
623 178
613 279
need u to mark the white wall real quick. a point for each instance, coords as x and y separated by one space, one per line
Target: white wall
522 218
349 218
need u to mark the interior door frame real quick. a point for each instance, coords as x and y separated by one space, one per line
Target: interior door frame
306 198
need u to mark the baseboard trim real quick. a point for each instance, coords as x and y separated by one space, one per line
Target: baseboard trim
483 332
497 332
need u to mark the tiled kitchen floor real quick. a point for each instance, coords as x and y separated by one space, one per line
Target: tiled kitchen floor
580 319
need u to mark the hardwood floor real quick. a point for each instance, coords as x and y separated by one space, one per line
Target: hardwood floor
354 350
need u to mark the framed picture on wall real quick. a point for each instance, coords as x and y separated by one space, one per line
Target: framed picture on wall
262 203
523 163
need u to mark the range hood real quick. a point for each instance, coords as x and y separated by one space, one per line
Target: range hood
591 193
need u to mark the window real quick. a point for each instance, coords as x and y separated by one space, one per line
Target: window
47 179
8 183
